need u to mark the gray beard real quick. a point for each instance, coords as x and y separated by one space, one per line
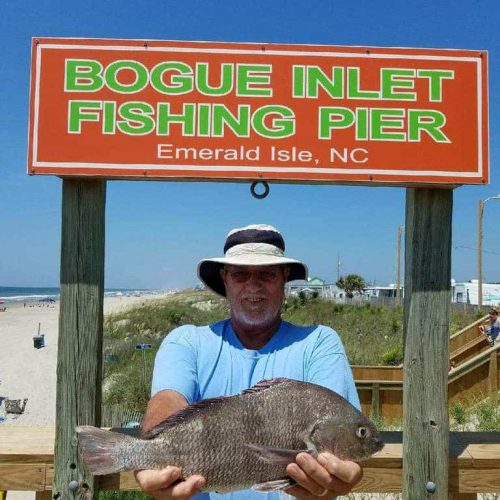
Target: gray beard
265 319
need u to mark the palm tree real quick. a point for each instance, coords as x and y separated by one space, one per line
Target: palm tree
350 284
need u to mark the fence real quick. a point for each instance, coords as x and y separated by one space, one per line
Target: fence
118 416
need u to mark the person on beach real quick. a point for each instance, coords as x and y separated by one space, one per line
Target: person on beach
222 359
492 329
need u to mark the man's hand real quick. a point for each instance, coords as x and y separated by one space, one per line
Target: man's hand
326 476
162 485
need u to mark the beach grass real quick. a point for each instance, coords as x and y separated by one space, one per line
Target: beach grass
372 335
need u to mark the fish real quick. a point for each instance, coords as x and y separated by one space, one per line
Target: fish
241 441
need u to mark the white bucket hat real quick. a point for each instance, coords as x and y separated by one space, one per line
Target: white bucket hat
254 245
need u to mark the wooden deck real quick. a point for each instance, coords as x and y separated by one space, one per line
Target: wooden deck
476 373
27 463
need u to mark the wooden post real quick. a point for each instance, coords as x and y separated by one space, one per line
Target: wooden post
426 337
398 268
493 375
375 413
79 357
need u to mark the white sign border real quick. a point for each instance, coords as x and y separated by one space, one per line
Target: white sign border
261 169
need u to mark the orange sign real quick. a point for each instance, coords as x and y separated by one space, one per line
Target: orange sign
234 111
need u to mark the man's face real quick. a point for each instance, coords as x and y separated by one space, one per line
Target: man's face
255 293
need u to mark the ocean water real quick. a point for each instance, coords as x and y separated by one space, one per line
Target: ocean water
34 294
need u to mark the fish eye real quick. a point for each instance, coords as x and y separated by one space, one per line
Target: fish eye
361 432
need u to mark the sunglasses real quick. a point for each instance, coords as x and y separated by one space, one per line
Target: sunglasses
266 275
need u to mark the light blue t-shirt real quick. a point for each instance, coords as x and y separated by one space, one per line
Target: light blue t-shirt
210 361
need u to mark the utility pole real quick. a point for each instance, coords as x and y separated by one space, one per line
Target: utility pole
480 212
338 266
398 267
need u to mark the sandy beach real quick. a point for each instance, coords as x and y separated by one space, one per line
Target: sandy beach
26 372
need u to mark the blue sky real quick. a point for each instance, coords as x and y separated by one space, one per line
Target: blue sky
156 232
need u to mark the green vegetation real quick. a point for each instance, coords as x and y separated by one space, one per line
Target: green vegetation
483 415
372 335
127 371
351 284
123 495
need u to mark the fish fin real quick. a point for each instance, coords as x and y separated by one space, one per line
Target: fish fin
265 384
98 448
276 485
193 409
274 455
182 415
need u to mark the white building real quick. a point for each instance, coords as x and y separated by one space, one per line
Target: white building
314 285
467 293
388 291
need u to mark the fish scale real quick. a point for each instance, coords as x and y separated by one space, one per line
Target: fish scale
240 441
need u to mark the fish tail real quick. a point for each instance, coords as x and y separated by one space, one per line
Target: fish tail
101 450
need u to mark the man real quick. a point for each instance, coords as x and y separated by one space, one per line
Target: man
492 330
196 363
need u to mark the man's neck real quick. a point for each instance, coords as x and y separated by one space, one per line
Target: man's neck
255 337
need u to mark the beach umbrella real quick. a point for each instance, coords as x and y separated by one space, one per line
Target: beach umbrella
47 299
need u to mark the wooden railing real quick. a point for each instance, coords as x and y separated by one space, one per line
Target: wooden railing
27 463
475 372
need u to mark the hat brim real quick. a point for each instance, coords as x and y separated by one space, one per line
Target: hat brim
209 269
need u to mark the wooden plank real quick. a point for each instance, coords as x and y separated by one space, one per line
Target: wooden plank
30 477
380 480
482 447
123 481
361 373
79 358
426 341
20 444
493 374
43 495
474 465
375 413
478 481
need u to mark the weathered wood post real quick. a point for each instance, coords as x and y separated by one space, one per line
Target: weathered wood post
426 343
79 358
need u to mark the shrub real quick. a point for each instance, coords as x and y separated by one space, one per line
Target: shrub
459 415
123 495
393 357
488 415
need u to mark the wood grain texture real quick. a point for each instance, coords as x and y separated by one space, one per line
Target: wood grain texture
79 358
15 476
426 342
22 444
43 495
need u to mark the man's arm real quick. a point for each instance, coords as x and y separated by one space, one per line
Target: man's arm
161 484
160 406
